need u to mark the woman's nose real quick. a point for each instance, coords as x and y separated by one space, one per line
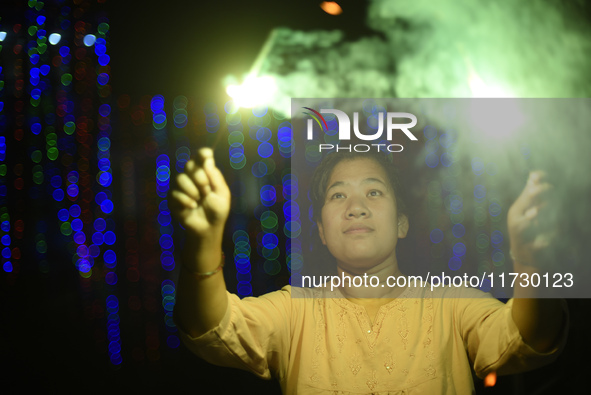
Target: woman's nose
356 209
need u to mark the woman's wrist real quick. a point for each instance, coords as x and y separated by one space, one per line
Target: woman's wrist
205 274
202 254
212 237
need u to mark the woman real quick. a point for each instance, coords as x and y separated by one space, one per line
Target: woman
358 339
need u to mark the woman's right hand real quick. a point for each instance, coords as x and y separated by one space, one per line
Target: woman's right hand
200 200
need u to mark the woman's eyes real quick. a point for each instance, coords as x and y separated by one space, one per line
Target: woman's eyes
373 192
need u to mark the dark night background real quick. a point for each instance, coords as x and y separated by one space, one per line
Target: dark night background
187 47
176 48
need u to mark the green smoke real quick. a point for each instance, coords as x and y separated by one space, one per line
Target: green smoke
517 48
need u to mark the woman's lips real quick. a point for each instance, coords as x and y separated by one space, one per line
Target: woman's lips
358 229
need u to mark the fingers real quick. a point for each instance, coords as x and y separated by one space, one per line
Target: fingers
185 195
187 186
216 179
532 220
202 182
536 193
538 176
215 176
529 216
531 212
539 193
201 176
197 175
183 200
544 240
203 154
533 250
535 218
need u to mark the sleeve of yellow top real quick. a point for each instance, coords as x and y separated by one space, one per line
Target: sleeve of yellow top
493 341
253 334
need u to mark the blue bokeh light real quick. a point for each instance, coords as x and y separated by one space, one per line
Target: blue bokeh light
496 237
436 235
54 38
265 150
454 263
89 40
458 230
459 249
479 191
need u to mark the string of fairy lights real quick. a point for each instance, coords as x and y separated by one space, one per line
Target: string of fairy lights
61 148
4 215
163 173
36 51
237 161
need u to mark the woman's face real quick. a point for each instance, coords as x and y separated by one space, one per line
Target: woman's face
359 221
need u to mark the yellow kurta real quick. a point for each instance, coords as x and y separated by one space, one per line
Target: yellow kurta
421 343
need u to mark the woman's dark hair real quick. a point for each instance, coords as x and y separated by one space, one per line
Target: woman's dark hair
322 174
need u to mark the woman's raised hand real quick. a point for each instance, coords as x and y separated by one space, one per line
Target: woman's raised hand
530 232
200 201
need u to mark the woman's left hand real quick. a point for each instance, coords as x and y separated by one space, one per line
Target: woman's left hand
530 233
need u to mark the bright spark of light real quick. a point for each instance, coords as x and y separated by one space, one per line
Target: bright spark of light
253 91
480 89
493 119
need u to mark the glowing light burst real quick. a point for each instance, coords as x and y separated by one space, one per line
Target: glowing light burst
480 89
254 91
492 119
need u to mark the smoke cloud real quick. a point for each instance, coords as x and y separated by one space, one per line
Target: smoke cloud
464 49
511 48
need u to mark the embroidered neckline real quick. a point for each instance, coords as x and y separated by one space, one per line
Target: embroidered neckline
342 301
371 331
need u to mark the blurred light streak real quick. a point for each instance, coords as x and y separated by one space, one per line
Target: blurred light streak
331 7
255 90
